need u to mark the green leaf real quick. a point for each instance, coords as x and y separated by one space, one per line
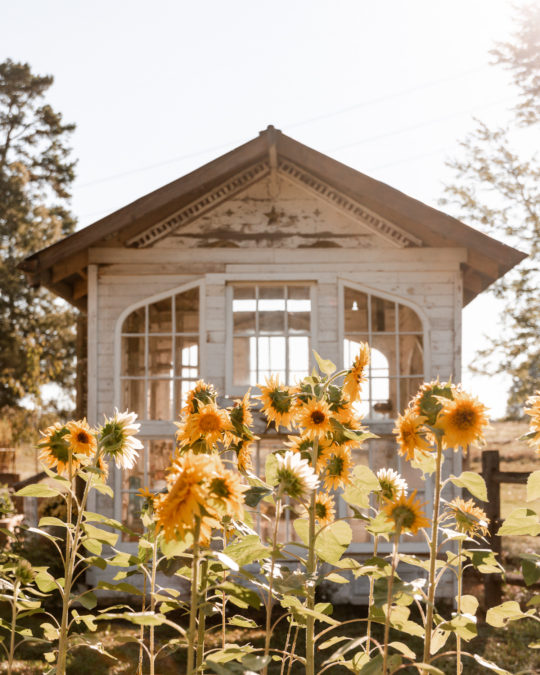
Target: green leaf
173 548
325 365
298 609
533 486
247 549
38 491
362 482
469 604
88 600
380 525
491 666
484 560
333 641
406 651
254 662
270 470
240 595
473 482
254 494
301 527
49 521
530 566
521 521
103 489
242 621
500 615
332 542
93 545
105 537
426 463
45 582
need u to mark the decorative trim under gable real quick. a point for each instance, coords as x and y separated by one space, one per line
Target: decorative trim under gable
197 208
349 206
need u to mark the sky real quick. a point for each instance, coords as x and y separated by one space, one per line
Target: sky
158 88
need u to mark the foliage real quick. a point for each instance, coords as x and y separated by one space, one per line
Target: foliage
201 556
496 188
36 330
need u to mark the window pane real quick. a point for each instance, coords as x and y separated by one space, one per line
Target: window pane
160 316
411 355
187 311
409 320
298 358
356 311
383 355
244 315
135 322
409 387
271 293
160 456
160 355
244 365
244 292
298 316
271 356
383 315
181 389
133 356
351 348
159 399
133 397
187 357
299 292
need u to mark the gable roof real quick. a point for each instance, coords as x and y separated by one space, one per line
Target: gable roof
61 266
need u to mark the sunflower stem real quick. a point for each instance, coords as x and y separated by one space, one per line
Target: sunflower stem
13 625
459 665
151 642
194 597
389 601
310 573
270 600
202 616
371 593
433 554
68 571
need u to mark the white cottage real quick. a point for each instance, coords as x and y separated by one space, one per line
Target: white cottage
241 268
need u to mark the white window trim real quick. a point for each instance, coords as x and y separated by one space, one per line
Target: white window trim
152 429
258 280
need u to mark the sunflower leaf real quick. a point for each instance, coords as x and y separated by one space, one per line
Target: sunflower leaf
325 365
473 482
533 486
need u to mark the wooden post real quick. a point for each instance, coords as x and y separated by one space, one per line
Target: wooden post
490 472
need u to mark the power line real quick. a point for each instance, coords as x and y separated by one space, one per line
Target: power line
294 125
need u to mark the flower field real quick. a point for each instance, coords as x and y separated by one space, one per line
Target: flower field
256 604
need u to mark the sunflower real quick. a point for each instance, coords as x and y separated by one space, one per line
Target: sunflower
463 420
295 476
277 400
392 484
226 493
201 394
300 444
315 419
145 493
406 513
117 438
55 448
244 457
338 466
470 519
188 484
210 424
81 438
324 508
533 410
410 436
240 415
428 402
356 374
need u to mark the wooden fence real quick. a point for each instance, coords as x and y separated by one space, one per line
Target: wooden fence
492 474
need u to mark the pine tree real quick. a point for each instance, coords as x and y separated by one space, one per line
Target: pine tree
36 172
498 191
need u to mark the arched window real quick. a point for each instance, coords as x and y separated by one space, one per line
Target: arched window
395 334
159 360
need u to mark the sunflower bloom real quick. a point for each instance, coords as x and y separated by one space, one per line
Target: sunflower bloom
300 444
356 375
315 419
210 424
201 394
240 414
406 513
392 484
81 438
324 508
244 461
428 402
533 410
55 448
470 519
277 400
188 483
410 436
117 437
226 492
296 478
463 420
338 467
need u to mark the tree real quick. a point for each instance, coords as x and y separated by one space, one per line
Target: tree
498 191
37 341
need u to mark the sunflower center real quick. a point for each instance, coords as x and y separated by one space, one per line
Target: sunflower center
209 422
318 417
403 516
335 466
220 488
82 437
321 510
464 418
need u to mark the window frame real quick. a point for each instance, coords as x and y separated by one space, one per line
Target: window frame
239 390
